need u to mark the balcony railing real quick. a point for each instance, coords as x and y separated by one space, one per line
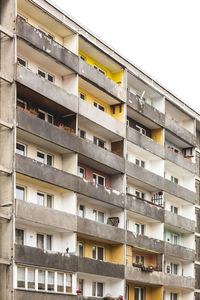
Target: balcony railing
157 200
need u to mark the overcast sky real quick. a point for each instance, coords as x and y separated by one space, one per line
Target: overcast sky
162 37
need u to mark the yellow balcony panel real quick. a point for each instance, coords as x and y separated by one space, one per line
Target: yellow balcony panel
152 293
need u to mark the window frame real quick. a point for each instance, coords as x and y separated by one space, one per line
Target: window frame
22 59
45 199
46 115
100 70
22 187
82 94
141 228
140 129
96 215
47 74
19 143
98 105
46 158
95 289
17 236
79 168
97 252
23 102
79 210
97 177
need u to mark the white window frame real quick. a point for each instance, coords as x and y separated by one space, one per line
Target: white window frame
141 259
173 179
98 105
141 130
173 209
97 142
45 158
21 186
83 216
96 215
172 238
97 176
46 75
84 134
173 296
82 94
172 268
140 162
96 252
95 292
141 194
79 169
22 101
46 114
23 242
21 145
83 244
45 199
140 294
140 226
23 59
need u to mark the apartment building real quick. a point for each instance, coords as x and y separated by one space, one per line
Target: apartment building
99 168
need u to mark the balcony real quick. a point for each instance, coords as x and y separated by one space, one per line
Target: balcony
179 252
175 220
144 242
37 295
155 278
42 42
34 256
36 170
104 83
52 134
155 182
45 89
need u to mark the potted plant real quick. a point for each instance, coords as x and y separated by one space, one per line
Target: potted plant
79 292
150 267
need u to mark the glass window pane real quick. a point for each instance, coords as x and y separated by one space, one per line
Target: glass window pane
40 241
50 77
49 242
49 201
94 289
80 284
100 217
101 144
20 149
41 115
81 249
20 193
20 277
19 237
41 157
60 282
41 280
100 253
31 279
50 283
41 73
99 289
137 294
49 160
69 283
50 119
40 199
101 180
95 215
94 252
143 293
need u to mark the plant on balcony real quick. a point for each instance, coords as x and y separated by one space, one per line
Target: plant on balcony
113 298
79 292
138 265
148 268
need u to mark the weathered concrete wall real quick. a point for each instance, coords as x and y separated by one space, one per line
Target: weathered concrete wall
146 109
37 257
145 142
179 221
179 252
31 295
34 169
103 231
101 118
155 278
47 89
159 182
66 140
101 81
40 41
144 208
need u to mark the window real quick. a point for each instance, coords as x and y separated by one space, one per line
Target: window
82 134
174 239
140 194
140 293
173 296
45 158
99 69
81 172
20 149
81 284
43 115
140 162
40 241
97 289
82 96
98 252
139 259
98 216
140 129
20 192
20 277
82 57
81 249
139 228
174 269
21 61
126 292
31 278
41 280
21 103
45 200
50 281
49 242
81 211
68 283
98 179
99 106
174 179
46 75
60 282
19 236
99 142
174 209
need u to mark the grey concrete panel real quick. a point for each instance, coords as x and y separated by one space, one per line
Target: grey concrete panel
180 161
69 141
98 230
59 261
146 109
144 208
159 182
101 81
33 295
144 242
145 142
101 118
158 278
179 252
34 169
40 41
47 89
179 221
45 216
175 128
